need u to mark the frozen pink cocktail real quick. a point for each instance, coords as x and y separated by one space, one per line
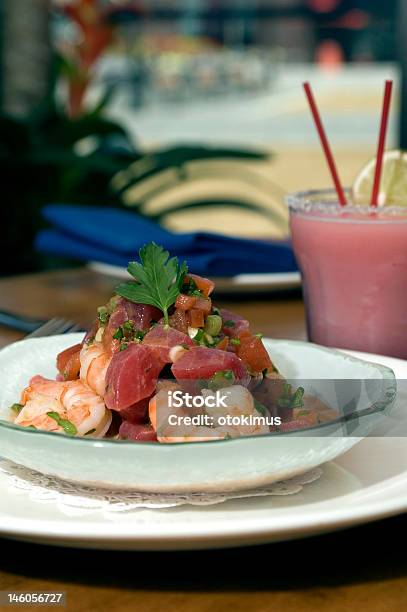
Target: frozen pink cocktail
353 262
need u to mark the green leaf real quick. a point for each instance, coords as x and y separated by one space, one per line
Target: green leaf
158 279
231 202
153 163
68 427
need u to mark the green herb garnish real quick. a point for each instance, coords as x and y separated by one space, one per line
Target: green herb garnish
118 334
235 341
199 336
103 315
128 327
223 378
229 323
259 407
191 288
17 408
68 427
158 279
288 399
124 346
139 335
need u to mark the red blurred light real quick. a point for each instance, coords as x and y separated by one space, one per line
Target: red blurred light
323 6
329 55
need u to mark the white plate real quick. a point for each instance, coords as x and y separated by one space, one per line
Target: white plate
214 466
241 283
367 483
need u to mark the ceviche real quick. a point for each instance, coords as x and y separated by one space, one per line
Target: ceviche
163 363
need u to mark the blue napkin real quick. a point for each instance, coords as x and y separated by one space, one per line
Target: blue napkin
115 236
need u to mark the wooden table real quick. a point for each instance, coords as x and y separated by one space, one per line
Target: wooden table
361 569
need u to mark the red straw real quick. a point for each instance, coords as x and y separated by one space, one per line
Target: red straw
325 144
381 143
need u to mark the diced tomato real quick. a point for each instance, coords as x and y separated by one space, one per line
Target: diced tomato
196 317
252 352
68 363
203 284
204 304
185 302
223 344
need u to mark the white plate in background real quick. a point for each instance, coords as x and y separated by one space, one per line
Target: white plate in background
241 283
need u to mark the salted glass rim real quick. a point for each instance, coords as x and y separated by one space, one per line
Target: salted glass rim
325 202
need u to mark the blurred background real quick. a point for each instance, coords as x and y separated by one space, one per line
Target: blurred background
190 112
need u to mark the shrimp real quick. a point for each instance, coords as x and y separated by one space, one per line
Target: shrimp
94 364
72 400
159 412
239 403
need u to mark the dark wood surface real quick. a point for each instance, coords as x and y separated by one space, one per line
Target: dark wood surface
360 569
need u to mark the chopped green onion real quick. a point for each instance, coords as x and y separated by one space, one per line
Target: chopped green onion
297 400
103 315
17 408
291 400
213 324
118 334
139 335
260 407
198 336
68 427
128 327
209 340
229 323
235 341
221 379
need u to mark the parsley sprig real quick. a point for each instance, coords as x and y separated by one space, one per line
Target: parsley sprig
158 279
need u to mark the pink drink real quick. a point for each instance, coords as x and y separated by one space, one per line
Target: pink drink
354 267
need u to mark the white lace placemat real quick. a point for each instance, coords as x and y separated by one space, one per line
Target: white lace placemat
70 496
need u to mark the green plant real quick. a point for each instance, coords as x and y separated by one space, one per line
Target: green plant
49 157
66 153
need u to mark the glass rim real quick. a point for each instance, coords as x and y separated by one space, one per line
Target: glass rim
325 201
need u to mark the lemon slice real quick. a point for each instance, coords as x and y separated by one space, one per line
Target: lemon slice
393 183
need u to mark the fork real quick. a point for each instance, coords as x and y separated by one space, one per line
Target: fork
54 327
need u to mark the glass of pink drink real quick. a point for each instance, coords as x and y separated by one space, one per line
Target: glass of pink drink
353 262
